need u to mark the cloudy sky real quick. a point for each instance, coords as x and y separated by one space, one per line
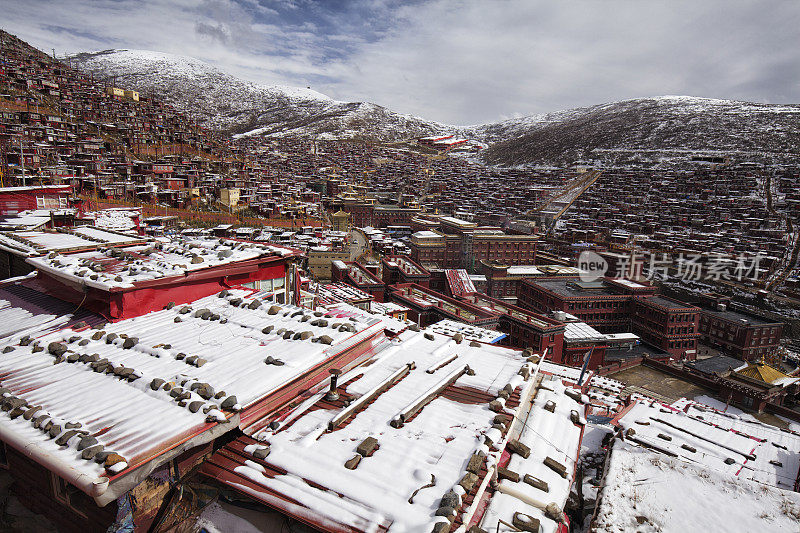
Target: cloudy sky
456 61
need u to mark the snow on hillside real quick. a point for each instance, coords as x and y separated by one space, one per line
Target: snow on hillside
655 129
219 100
130 63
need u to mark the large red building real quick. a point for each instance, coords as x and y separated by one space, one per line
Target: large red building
524 329
667 324
604 304
741 335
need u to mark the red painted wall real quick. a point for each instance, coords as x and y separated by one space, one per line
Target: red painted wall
139 301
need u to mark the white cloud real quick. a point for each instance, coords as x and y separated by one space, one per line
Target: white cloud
455 61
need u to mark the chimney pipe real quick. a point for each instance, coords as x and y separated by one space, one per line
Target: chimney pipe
332 395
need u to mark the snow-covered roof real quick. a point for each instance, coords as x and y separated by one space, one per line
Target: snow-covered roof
451 327
24 311
459 282
122 268
341 292
55 188
581 331
144 385
385 308
119 219
41 242
719 441
550 435
408 429
603 392
457 221
25 221
425 234
106 235
523 270
647 491
389 324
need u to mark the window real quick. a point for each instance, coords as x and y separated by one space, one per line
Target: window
67 494
49 203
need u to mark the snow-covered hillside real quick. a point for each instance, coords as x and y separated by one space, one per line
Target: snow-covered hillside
222 101
653 129
641 131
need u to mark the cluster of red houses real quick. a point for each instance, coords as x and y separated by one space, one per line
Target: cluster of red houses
189 372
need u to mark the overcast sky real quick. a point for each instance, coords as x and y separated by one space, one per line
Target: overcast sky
459 62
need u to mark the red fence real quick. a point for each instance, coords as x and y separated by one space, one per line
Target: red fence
618 366
780 410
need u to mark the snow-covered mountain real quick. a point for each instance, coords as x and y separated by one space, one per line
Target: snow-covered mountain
219 100
647 130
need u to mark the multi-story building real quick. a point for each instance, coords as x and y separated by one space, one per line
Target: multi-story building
435 248
740 334
461 244
524 329
604 304
503 280
667 324
495 245
320 261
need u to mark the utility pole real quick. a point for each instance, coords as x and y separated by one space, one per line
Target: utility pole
21 161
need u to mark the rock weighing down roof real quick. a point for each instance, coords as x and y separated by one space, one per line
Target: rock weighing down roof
451 327
143 386
413 440
122 268
33 243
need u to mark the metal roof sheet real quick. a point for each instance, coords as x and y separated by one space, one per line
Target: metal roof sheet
120 383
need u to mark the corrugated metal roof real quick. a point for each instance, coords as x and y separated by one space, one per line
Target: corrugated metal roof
23 309
144 385
423 398
124 267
